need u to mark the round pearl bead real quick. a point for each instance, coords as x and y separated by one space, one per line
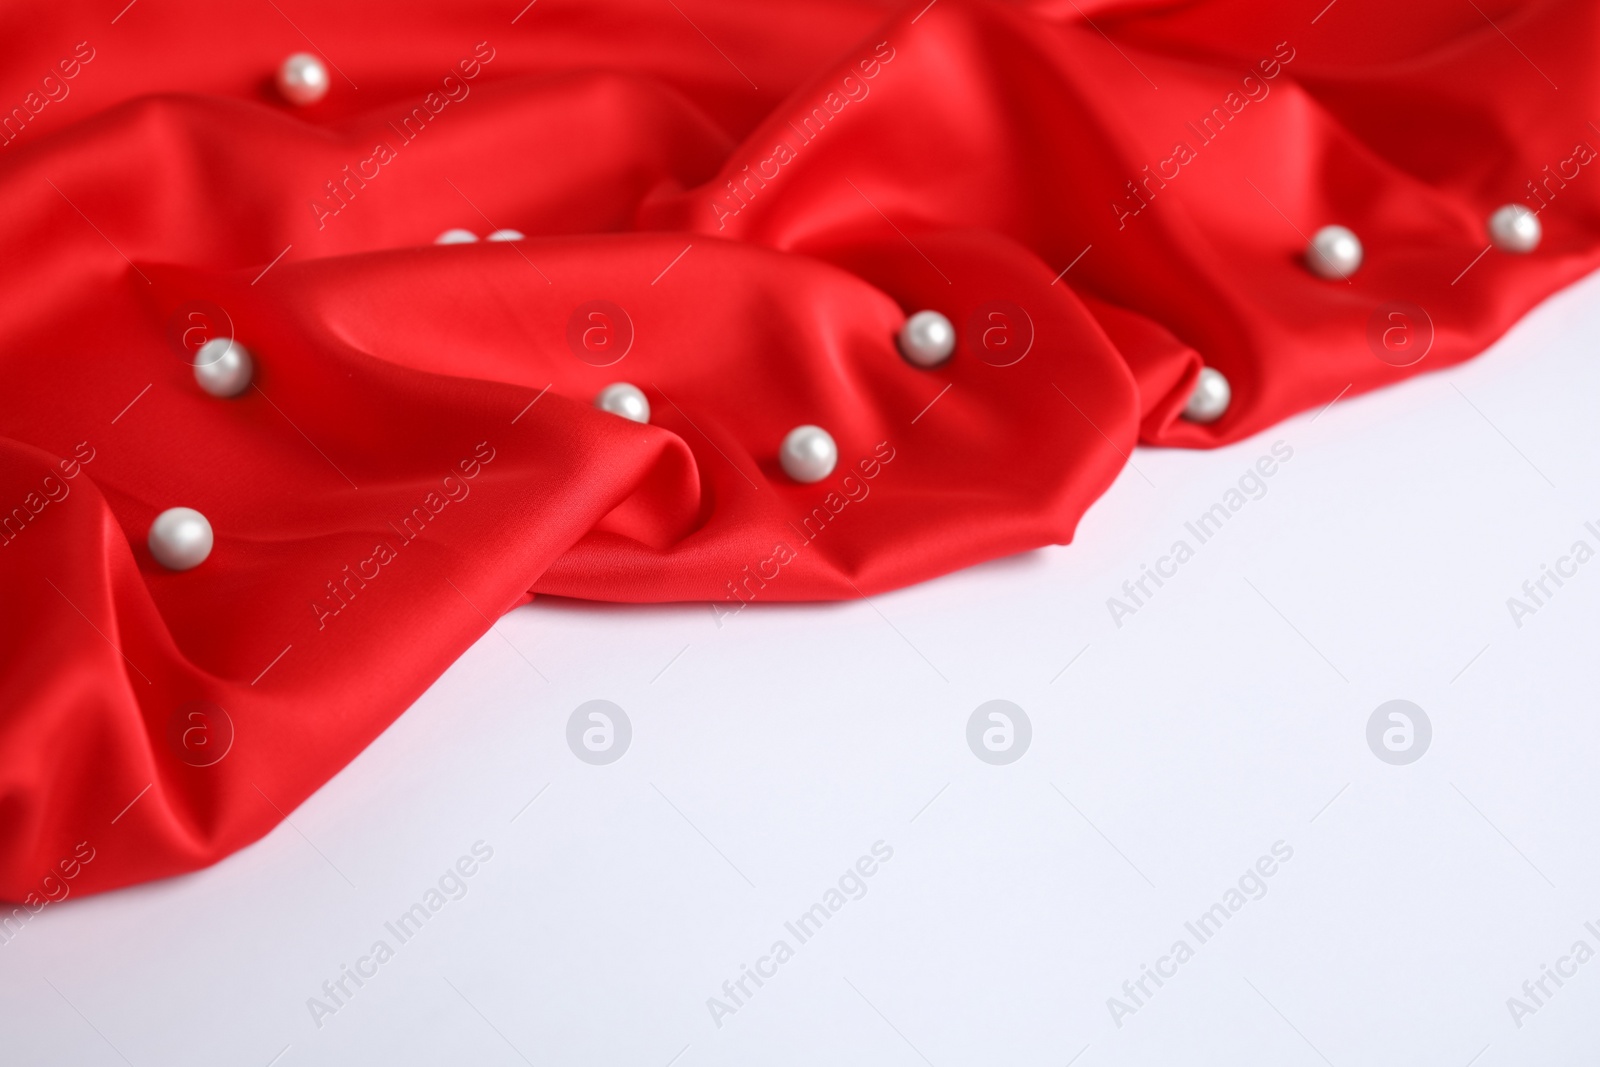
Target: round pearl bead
1514 228
927 339
507 235
808 454
455 237
223 367
626 400
303 79
180 539
1209 401
1335 252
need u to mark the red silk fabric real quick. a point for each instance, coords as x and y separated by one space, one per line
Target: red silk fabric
738 203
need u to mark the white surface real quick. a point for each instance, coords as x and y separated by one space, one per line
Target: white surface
769 754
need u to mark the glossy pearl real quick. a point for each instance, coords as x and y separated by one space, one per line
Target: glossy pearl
626 400
455 237
808 454
180 539
1514 228
1209 401
1335 252
223 367
927 339
507 235
303 79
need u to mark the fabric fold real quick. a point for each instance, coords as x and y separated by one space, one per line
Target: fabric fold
734 208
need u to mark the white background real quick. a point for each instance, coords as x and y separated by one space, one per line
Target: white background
770 753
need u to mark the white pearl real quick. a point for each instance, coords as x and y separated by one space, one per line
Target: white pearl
1514 228
626 400
808 454
927 339
223 367
455 237
1335 252
507 235
180 539
303 79
1209 401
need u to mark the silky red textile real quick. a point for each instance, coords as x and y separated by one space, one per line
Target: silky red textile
751 198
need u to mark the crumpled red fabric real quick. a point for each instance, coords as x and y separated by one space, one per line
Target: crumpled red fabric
733 206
